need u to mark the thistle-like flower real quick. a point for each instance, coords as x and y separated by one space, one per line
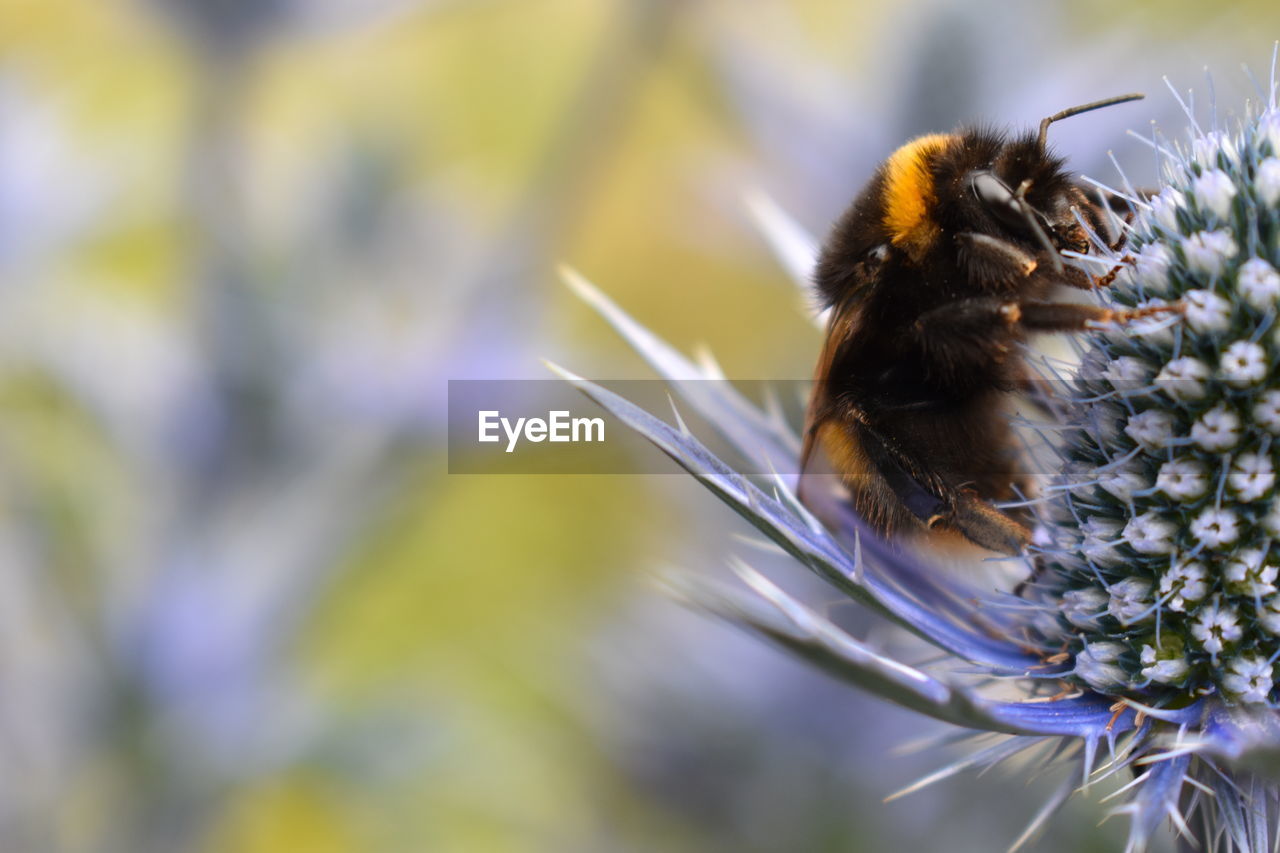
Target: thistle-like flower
1180 559
1146 639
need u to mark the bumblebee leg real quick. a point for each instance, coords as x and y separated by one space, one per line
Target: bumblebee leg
1123 238
1040 394
1121 206
984 525
1069 317
935 504
968 334
990 259
1075 277
918 490
976 332
1109 277
1125 207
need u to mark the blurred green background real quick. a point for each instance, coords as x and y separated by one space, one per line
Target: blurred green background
244 244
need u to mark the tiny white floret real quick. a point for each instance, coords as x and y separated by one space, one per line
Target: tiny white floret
1214 191
1268 129
1130 600
1153 329
1150 534
1152 264
1268 613
1096 666
1164 670
1242 364
1126 369
1123 481
1206 311
1183 479
1259 283
1246 574
1183 583
1216 626
1271 521
1152 429
1082 607
1164 208
1252 476
1267 181
1206 148
1184 378
1209 252
1266 412
1216 527
1217 429
1101 538
1249 677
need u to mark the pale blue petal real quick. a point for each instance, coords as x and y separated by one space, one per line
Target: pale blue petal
1051 807
1246 736
776 615
1231 809
795 248
988 757
1155 799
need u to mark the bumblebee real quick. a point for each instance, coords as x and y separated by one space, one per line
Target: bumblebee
934 277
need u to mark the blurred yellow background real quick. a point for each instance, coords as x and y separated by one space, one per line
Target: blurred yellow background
243 246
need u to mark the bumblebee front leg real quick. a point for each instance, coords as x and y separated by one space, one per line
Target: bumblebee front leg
969 334
1070 317
971 329
1096 202
990 259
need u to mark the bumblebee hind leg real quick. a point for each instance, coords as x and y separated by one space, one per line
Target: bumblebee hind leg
983 524
938 505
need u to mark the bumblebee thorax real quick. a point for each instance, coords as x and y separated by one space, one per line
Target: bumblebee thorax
910 194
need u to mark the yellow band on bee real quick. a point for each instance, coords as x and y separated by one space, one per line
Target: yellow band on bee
909 193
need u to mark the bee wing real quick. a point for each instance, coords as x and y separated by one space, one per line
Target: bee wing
840 448
840 330
819 486
840 445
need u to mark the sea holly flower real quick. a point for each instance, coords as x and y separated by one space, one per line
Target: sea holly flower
1144 637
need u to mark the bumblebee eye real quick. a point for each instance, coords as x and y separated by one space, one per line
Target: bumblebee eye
1013 211
990 190
999 199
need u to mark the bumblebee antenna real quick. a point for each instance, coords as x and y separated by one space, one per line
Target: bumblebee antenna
1083 108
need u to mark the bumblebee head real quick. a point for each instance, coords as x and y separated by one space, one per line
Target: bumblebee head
1030 195
940 185
979 181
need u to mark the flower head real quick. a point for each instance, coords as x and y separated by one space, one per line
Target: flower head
1201 539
